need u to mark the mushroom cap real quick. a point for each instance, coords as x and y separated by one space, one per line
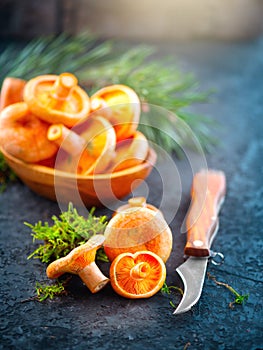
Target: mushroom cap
11 91
135 229
121 107
23 134
87 148
77 259
57 98
101 138
138 275
130 152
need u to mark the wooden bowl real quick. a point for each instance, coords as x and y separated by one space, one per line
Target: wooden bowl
92 190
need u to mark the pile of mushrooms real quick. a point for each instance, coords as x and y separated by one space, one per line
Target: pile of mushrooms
96 134
81 260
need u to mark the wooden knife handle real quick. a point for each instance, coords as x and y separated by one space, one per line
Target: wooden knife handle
208 191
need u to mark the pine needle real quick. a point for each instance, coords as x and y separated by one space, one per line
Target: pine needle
168 289
162 85
52 55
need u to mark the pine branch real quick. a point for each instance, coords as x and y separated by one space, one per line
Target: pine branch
158 83
52 55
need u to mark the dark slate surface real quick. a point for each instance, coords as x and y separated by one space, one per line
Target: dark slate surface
107 321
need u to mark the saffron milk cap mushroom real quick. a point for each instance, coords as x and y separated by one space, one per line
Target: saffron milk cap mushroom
81 261
138 227
57 98
130 152
23 134
11 91
138 275
120 105
90 148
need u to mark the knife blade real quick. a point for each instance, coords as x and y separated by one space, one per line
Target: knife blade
207 193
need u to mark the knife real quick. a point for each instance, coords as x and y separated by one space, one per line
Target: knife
207 193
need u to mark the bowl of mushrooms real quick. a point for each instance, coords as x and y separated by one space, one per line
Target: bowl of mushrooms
67 146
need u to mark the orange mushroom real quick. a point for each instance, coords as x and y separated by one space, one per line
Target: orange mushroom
139 275
135 229
81 261
121 106
89 152
57 99
11 91
24 135
130 152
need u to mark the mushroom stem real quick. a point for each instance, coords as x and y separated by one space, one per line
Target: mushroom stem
75 145
70 141
137 202
63 85
93 278
100 106
140 270
97 103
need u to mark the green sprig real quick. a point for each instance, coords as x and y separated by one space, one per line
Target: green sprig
68 231
239 298
168 289
50 291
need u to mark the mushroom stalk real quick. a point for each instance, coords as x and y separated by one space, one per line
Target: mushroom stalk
140 270
101 107
70 141
63 86
75 145
137 202
93 278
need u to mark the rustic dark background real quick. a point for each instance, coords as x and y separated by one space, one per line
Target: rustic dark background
28 19
105 320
